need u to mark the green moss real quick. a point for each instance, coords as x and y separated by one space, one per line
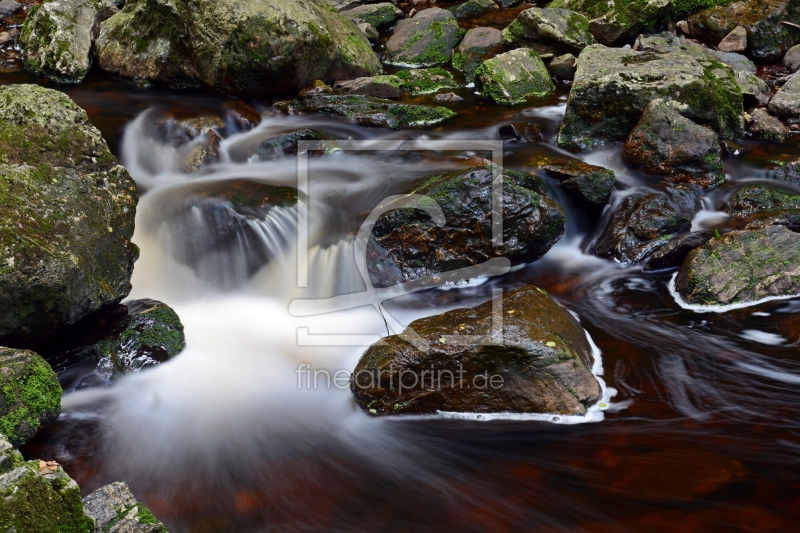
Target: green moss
683 8
28 397
424 81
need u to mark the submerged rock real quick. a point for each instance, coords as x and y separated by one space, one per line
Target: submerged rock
742 267
478 45
66 219
379 16
426 40
786 102
115 510
641 225
237 47
550 31
514 77
406 244
539 361
758 206
30 394
667 144
57 37
588 186
613 23
613 86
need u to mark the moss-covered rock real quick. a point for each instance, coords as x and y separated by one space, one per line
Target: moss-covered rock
786 171
478 45
620 20
757 206
742 267
379 16
243 47
762 125
38 496
30 392
115 510
786 102
613 86
406 244
588 186
667 144
539 362
10 458
57 37
550 31
426 40
473 8
767 37
514 77
66 216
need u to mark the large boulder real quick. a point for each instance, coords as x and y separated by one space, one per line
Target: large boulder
539 361
245 47
514 77
57 37
115 510
742 267
406 244
550 31
613 86
791 59
786 102
478 45
667 144
29 392
757 206
426 40
588 186
66 217
615 22
767 37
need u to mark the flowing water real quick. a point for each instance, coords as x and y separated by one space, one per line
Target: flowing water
702 434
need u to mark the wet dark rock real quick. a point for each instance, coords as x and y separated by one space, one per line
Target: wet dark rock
563 67
742 267
735 41
757 206
787 171
66 217
613 86
786 102
641 225
478 45
9 8
406 244
550 31
684 199
241 48
244 116
767 37
612 24
588 186
202 152
674 253
286 145
30 394
792 58
521 131
57 37
667 144
514 77
762 125
540 354
115 510
508 3
473 8
377 86
425 40
379 16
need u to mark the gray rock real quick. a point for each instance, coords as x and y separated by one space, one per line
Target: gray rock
9 8
786 102
115 510
752 87
550 31
563 67
612 23
478 45
792 59
737 62
369 31
426 40
764 126
735 41
380 16
674 253
514 77
473 8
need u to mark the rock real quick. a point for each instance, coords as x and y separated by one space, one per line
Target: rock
737 62
380 16
683 27
615 22
613 87
672 254
66 219
563 67
641 225
377 86
767 38
368 111
473 9
541 364
369 31
508 3
201 153
478 45
514 77
786 102
426 40
38 496
765 126
521 131
280 146
588 186
10 458
787 171
735 41
752 87
792 58
243 48
425 81
550 31
406 244
758 206
447 98
742 267
9 8
667 144
115 510
57 37
30 393
7 37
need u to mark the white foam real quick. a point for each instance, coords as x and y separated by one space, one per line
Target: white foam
718 308
762 337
